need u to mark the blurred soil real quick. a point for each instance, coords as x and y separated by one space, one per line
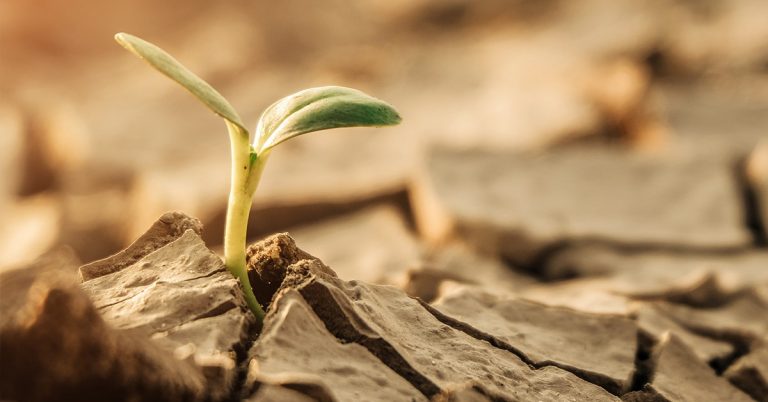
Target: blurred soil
102 146
578 197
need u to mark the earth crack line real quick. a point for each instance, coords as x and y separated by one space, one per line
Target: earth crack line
600 380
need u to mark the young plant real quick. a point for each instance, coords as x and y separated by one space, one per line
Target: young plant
306 111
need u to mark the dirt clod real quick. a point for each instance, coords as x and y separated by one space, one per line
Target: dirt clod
411 342
56 346
168 228
268 262
679 376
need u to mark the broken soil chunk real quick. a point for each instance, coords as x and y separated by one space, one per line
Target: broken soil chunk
458 263
56 347
181 296
429 354
296 343
138 296
267 262
655 323
166 229
526 203
744 319
679 376
750 373
598 348
588 295
698 278
612 277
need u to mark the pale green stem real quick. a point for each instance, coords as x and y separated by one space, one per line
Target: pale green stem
238 209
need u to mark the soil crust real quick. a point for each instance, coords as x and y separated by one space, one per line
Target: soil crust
164 320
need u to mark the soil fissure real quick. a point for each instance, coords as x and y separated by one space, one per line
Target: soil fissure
241 348
604 382
335 320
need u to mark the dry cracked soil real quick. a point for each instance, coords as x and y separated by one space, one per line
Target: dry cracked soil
164 320
574 209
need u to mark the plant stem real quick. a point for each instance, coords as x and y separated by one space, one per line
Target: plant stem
238 209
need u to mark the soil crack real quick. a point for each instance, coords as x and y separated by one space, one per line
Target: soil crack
133 296
644 364
335 319
216 311
741 343
241 348
602 381
208 275
545 267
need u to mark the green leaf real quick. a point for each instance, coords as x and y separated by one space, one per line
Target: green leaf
318 109
166 64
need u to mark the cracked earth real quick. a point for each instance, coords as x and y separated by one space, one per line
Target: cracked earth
171 324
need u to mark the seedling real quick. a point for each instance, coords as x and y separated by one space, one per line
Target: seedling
306 111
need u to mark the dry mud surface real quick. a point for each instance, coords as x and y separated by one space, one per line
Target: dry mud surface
575 207
163 320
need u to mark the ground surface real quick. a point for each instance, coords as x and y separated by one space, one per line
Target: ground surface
163 320
575 207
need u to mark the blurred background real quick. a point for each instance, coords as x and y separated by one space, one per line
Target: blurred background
94 145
